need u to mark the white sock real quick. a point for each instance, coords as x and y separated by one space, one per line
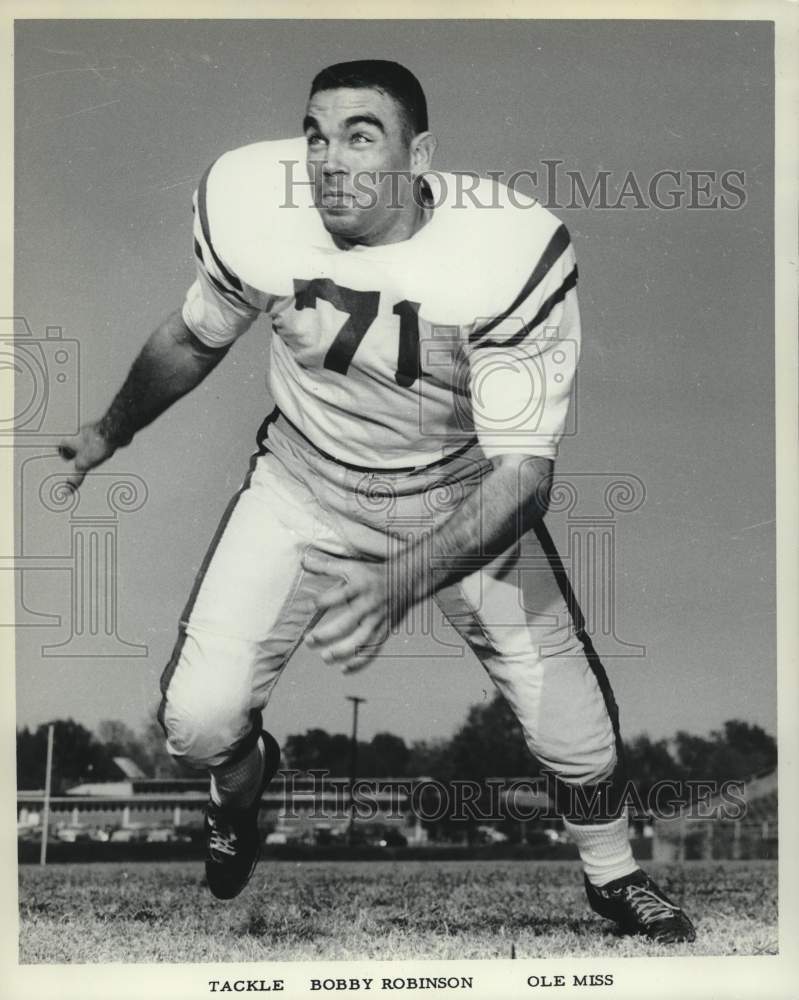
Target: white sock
604 849
237 784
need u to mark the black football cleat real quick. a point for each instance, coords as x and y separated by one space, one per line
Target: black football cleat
639 906
232 839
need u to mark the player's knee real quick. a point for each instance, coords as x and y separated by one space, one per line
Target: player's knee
577 759
207 702
201 732
598 766
203 722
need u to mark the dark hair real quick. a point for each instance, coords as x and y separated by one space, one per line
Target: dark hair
381 74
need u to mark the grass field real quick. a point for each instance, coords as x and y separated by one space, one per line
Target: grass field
374 910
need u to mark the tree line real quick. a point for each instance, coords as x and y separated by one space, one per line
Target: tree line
488 744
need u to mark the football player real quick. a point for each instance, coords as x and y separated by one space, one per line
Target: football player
424 343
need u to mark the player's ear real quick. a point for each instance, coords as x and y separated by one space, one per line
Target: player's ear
423 148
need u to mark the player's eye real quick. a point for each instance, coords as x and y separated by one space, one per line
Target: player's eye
360 138
314 140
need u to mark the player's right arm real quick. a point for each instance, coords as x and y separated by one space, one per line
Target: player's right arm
172 362
179 354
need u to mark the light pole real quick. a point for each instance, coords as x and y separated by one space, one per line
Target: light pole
48 778
356 701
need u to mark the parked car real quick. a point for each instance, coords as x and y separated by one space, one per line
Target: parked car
542 838
166 835
276 837
488 835
377 835
127 835
34 834
72 834
393 838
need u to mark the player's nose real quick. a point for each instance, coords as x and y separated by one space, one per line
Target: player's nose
334 162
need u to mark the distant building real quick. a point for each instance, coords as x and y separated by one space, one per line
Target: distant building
739 822
296 805
294 802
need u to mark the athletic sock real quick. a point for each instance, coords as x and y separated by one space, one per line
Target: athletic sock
604 849
237 784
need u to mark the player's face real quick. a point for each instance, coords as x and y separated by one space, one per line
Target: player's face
361 163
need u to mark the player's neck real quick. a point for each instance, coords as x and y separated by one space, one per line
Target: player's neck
402 225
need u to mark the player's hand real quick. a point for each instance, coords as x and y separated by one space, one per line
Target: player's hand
359 611
84 450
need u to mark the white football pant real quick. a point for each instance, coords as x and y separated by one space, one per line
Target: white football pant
254 603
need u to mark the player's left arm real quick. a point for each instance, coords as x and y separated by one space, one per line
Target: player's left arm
372 597
510 501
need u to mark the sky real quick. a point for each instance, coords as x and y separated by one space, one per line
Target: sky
116 122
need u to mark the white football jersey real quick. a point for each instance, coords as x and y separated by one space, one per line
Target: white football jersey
395 355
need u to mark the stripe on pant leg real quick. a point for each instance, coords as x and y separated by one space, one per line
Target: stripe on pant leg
595 664
171 667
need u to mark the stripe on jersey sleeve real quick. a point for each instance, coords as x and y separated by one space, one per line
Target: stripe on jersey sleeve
569 282
202 207
554 249
221 288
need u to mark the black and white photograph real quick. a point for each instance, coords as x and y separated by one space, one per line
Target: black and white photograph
393 422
